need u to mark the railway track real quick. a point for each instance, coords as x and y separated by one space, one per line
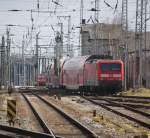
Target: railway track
142 122
55 121
133 97
110 101
11 132
125 99
40 120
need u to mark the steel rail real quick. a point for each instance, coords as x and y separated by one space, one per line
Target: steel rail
83 128
41 121
126 104
144 124
127 107
8 135
124 99
24 132
133 97
134 103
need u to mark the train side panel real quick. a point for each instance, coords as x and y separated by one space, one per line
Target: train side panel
72 73
90 76
71 79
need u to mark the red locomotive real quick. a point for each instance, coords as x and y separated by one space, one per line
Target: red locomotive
92 74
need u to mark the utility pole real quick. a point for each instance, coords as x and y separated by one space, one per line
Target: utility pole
61 42
58 54
36 57
8 57
23 62
140 42
3 61
97 10
125 38
81 22
69 48
81 12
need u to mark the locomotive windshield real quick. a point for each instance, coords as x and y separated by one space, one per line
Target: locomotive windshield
110 67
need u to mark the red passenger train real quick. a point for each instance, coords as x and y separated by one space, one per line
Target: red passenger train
92 74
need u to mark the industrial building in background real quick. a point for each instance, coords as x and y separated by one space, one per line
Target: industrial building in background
101 39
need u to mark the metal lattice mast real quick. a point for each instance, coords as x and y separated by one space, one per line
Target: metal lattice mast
8 57
140 38
97 10
37 57
81 12
125 37
3 61
69 48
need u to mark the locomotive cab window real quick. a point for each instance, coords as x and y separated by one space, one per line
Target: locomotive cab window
110 67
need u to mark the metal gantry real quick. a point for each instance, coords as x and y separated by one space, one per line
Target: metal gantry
140 40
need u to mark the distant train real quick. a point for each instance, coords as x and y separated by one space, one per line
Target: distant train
42 80
91 73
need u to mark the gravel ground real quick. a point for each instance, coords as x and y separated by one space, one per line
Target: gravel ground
3 107
24 116
105 122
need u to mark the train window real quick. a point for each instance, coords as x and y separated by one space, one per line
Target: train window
112 67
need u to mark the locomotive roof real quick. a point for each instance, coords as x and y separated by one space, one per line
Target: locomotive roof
78 62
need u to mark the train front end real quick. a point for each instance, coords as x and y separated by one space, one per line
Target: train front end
110 75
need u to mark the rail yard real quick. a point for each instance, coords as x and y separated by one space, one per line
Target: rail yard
75 69
45 114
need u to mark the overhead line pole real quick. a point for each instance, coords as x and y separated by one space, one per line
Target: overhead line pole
81 22
36 57
125 38
140 40
23 63
97 10
81 12
8 57
3 61
69 49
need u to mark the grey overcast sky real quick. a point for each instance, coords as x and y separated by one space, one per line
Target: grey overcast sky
69 7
